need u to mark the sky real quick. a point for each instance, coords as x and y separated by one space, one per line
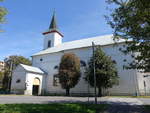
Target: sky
28 19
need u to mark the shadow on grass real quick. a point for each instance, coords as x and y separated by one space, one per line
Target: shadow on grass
51 108
126 109
147 108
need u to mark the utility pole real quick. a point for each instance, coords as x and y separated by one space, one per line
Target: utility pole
94 72
10 76
145 87
88 91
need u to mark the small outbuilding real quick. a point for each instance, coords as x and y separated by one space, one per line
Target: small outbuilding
27 80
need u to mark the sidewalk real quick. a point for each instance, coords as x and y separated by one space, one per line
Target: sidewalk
54 99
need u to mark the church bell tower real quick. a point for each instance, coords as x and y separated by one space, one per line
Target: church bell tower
52 36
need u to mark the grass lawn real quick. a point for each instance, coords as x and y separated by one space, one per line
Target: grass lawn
52 108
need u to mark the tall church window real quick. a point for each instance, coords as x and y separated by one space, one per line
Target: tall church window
49 44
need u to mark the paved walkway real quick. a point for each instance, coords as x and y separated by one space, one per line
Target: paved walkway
117 105
6 99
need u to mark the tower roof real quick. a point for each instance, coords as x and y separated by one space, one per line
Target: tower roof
53 24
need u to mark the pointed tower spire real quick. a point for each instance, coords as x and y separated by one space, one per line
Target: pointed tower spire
53 28
53 24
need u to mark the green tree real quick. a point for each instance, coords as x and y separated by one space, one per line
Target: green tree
3 12
69 71
131 20
10 64
1 78
105 71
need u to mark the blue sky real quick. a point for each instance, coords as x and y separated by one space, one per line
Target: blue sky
27 19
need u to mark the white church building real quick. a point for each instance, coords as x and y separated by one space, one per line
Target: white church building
41 79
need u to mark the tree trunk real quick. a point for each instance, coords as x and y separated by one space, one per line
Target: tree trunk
67 92
100 92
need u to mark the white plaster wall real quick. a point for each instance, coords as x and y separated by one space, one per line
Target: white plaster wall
18 73
147 81
48 64
126 81
55 38
144 90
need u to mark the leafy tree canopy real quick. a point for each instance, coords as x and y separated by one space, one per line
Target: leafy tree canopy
16 60
3 12
69 71
131 20
13 61
1 75
1 78
106 73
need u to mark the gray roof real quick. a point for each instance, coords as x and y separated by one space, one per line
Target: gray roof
99 40
32 69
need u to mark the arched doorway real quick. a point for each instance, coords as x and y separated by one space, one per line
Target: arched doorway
36 86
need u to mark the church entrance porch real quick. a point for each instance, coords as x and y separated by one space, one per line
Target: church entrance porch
36 87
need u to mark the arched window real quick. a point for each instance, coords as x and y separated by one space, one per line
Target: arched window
83 64
114 62
49 44
56 67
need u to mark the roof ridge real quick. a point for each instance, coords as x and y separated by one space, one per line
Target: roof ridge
78 40
88 38
32 69
87 42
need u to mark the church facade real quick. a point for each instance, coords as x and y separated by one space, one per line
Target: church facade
41 79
